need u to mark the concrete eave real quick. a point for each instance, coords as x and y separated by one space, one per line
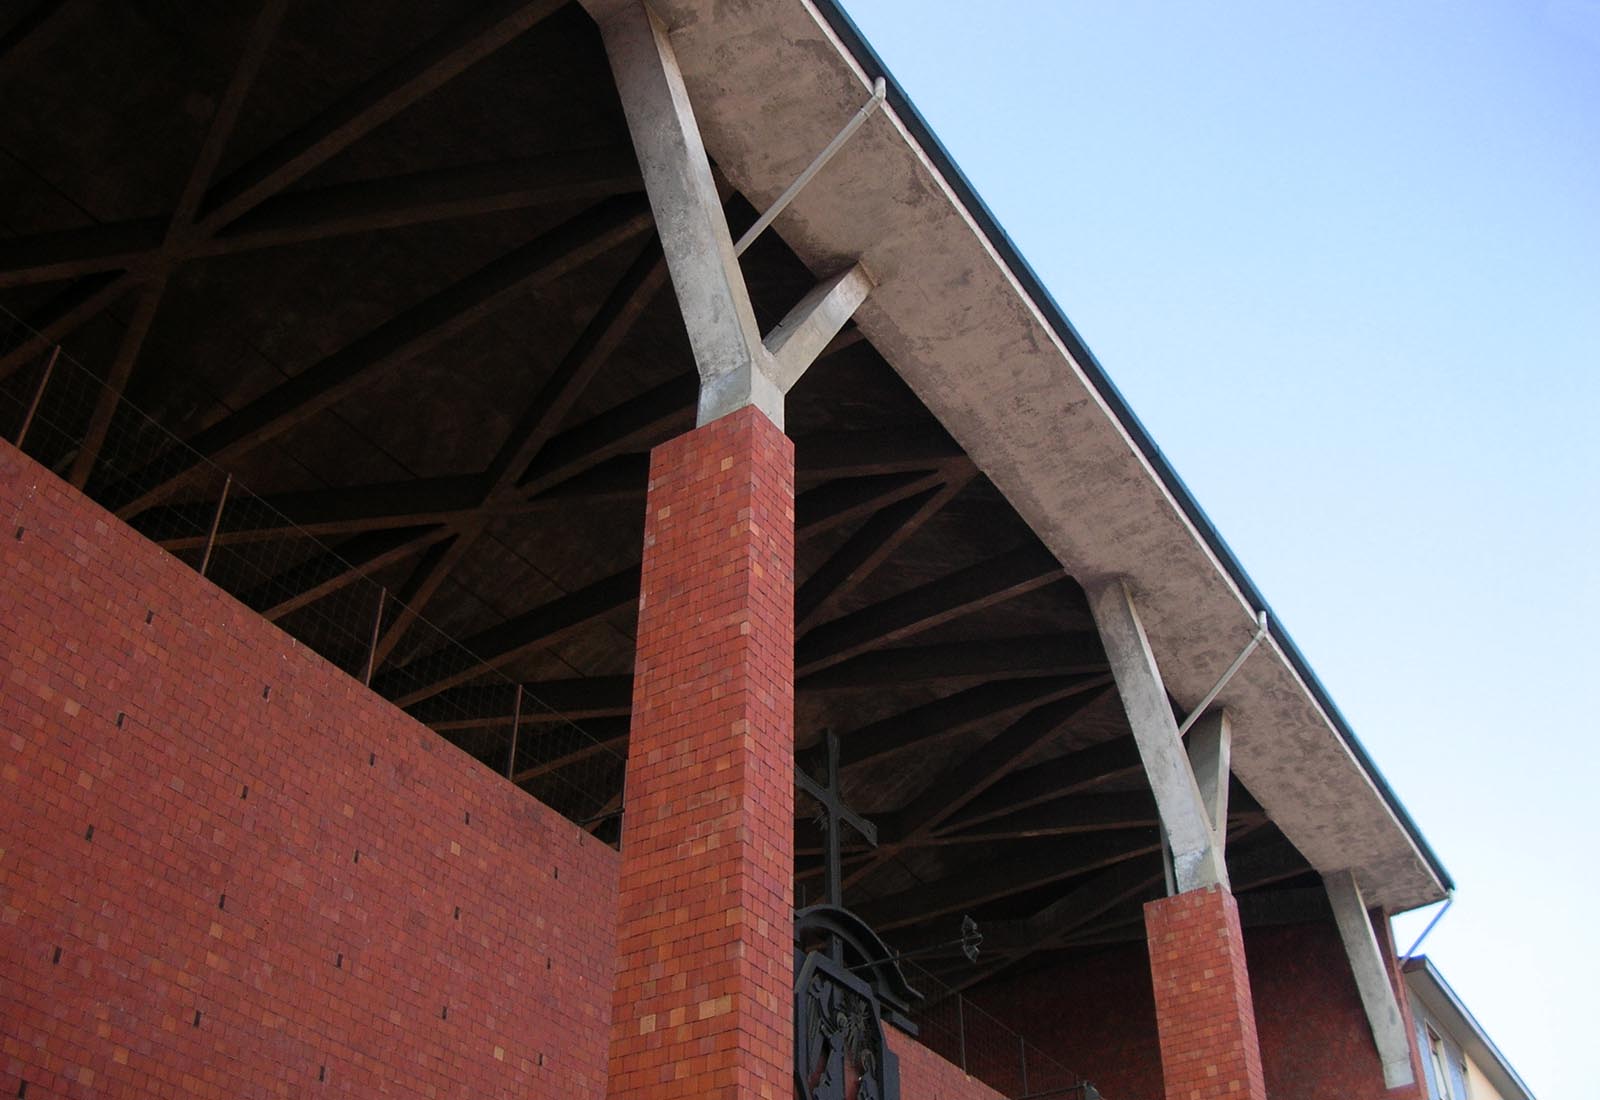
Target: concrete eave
771 82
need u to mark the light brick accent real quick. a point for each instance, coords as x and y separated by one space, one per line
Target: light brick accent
183 793
703 1003
1204 1015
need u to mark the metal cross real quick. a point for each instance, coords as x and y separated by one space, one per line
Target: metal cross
836 812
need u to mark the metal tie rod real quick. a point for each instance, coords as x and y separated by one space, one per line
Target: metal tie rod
1238 662
880 90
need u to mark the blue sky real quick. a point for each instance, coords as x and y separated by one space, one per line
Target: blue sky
1344 262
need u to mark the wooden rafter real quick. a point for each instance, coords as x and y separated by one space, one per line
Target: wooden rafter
412 333
369 105
361 207
1049 781
965 778
354 115
926 606
873 544
595 346
1026 866
964 663
179 228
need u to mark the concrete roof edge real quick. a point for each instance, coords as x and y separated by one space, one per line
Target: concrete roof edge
1436 993
867 59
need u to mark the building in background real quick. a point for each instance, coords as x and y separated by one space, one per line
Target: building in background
1461 1062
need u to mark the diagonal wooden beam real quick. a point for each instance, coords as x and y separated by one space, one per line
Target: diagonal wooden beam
442 194
1028 866
87 250
369 105
965 779
594 347
83 299
573 700
537 629
413 333
225 119
1053 779
419 502
180 228
32 30
1079 813
152 271
926 606
870 547
957 663
864 454
951 715
337 210
331 570
636 424
109 396
598 342
563 746
1011 941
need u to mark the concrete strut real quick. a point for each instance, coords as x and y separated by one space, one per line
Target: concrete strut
737 368
1187 815
1372 978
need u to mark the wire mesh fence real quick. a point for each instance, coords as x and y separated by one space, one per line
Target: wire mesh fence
66 418
962 1033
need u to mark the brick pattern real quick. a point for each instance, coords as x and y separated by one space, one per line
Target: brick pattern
926 1076
1315 1040
703 1003
1204 1015
1095 1014
228 870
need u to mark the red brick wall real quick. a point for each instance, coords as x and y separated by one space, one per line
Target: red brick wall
926 1076
215 935
1096 1014
1204 1016
705 967
1314 1035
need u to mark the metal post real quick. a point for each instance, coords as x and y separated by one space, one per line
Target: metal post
38 396
516 724
377 627
961 1030
216 522
1022 1045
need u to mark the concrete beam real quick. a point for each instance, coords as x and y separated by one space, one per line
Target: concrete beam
737 368
694 233
797 340
1197 855
1372 978
1210 748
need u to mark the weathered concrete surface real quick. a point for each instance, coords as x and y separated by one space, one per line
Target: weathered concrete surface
1372 978
1197 860
737 367
1210 748
771 85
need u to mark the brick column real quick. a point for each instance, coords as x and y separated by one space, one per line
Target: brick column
1204 1014
703 1000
